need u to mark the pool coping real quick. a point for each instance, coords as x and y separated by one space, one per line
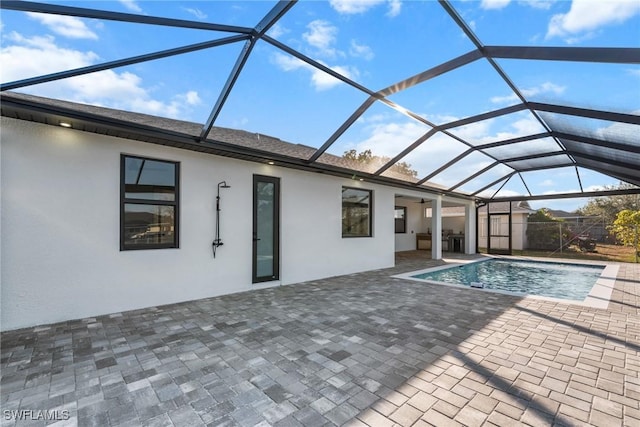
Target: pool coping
599 296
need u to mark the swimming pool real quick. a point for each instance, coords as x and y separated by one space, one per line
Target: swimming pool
561 280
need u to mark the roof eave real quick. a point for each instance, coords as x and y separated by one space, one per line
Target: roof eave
31 110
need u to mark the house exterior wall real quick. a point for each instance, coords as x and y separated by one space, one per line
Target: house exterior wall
519 231
60 245
416 223
454 224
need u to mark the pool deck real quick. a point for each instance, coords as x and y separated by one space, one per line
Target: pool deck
362 349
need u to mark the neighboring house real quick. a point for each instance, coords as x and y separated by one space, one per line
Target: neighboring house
496 225
119 213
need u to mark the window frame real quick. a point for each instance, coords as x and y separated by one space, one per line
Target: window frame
495 226
404 219
370 212
175 203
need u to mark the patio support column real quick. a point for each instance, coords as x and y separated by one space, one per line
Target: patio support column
436 228
470 225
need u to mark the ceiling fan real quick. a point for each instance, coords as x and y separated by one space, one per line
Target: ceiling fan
421 202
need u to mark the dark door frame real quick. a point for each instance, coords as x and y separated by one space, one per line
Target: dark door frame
499 251
276 229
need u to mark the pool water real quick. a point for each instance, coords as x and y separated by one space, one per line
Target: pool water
549 279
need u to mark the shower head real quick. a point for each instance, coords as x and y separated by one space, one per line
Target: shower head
223 184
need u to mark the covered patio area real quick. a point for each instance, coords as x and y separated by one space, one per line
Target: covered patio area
362 349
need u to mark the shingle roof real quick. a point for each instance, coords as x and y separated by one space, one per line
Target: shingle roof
236 137
613 149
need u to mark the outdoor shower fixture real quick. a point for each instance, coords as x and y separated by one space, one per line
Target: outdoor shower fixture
217 241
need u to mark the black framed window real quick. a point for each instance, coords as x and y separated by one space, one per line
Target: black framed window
149 203
400 217
356 212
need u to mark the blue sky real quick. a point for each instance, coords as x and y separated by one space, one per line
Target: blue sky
373 42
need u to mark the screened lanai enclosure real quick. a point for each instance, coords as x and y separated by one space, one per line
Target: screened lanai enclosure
418 95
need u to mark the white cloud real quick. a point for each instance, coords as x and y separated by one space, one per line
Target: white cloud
319 79
580 39
288 62
494 4
563 191
29 57
617 131
538 4
197 13
191 98
176 107
544 88
395 6
388 134
525 126
277 30
374 118
361 51
551 192
483 133
634 72
67 26
132 5
351 7
441 118
322 36
501 4
501 193
585 17
383 136
324 81
504 99
477 131
107 86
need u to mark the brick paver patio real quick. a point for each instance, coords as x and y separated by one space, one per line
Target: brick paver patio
363 349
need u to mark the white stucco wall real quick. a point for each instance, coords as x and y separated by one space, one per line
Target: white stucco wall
416 223
518 230
470 228
455 224
519 227
60 252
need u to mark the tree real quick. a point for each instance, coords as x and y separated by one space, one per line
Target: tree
626 228
608 207
367 157
545 232
541 215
